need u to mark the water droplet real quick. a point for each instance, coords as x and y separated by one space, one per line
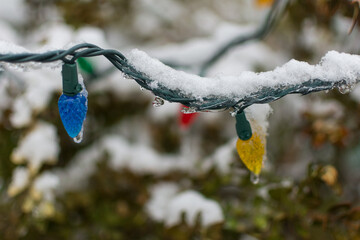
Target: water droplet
254 178
343 89
158 102
233 113
346 88
142 88
188 110
236 109
79 137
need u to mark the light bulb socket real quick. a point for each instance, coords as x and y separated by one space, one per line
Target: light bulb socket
243 128
71 85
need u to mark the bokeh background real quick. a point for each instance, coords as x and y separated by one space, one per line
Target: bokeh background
141 172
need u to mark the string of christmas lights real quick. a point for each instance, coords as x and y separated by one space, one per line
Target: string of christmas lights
265 94
73 102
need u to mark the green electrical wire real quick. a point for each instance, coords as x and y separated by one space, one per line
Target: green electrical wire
263 95
79 52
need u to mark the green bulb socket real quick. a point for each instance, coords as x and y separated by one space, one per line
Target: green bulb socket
243 128
71 85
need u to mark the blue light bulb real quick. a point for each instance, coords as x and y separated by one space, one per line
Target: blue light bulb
72 111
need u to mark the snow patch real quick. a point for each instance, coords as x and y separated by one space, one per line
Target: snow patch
222 158
192 204
38 147
158 204
259 113
46 184
141 159
167 205
19 181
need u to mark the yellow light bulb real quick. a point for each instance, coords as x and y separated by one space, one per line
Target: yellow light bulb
252 152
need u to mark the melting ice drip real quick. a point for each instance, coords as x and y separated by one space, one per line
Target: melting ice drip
73 102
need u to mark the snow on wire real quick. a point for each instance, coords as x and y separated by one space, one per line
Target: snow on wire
223 92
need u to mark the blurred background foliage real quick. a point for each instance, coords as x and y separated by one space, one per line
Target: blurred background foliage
309 188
